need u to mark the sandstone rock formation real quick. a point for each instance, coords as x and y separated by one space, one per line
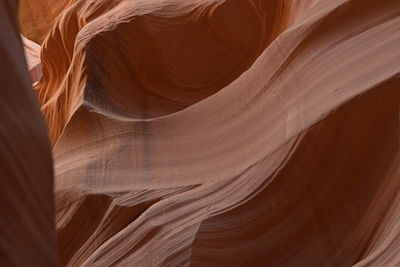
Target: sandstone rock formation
32 55
37 17
27 228
224 132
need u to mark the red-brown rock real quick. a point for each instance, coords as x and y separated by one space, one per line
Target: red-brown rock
225 133
27 228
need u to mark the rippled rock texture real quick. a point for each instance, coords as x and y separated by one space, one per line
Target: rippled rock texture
223 132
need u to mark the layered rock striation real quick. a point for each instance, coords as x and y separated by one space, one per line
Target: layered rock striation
225 133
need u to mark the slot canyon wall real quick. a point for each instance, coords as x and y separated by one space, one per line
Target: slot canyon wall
27 227
203 132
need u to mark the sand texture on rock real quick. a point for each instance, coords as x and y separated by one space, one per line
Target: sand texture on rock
224 132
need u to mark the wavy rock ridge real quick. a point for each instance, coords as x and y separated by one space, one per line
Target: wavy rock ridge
225 133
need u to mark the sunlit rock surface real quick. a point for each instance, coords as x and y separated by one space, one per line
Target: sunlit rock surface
32 56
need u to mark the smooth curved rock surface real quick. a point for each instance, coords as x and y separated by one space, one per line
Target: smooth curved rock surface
27 225
32 56
225 133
